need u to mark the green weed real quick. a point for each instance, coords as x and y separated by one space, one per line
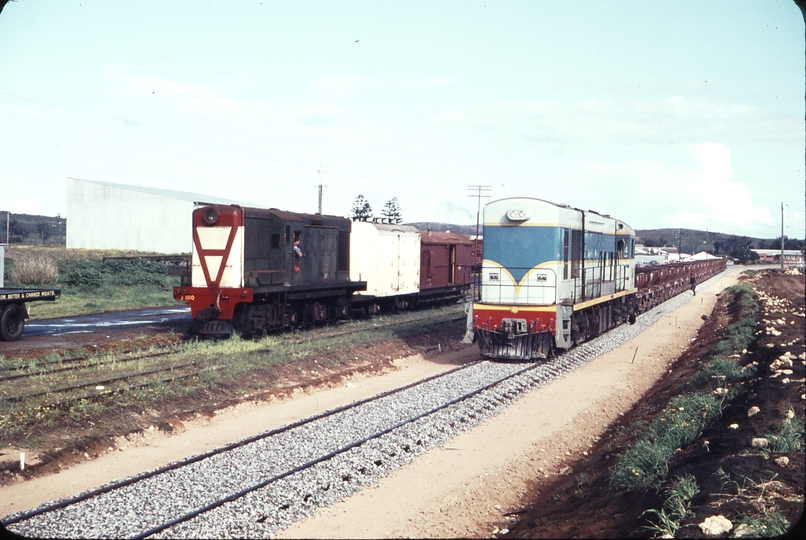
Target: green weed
676 507
222 362
790 437
680 423
769 524
34 270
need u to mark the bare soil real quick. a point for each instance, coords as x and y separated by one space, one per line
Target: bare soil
537 470
575 507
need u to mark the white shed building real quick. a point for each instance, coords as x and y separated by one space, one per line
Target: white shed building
102 215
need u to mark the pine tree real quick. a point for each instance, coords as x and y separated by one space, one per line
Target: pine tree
392 211
361 211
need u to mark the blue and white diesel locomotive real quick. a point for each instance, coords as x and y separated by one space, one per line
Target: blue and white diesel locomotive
551 276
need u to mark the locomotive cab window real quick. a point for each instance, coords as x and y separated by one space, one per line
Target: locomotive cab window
623 249
275 241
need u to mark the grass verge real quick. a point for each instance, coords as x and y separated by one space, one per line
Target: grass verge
87 283
222 365
645 463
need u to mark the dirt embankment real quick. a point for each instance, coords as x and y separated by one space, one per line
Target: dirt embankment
736 479
537 470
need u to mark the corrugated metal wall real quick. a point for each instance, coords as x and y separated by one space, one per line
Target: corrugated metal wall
103 216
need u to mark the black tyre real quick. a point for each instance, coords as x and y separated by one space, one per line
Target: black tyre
12 322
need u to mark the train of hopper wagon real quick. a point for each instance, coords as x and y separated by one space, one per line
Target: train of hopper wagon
551 276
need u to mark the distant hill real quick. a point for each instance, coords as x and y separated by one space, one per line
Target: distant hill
30 229
33 229
694 241
467 230
690 240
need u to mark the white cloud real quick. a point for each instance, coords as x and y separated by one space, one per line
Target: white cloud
215 105
600 121
347 85
701 196
140 85
25 206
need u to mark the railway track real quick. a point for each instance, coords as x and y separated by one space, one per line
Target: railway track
259 485
24 371
17 380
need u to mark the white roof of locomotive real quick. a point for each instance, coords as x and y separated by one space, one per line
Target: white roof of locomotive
525 211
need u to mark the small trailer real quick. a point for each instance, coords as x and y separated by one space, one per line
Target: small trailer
12 304
13 311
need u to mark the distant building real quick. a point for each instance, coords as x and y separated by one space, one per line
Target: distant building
478 249
115 216
701 256
792 257
645 255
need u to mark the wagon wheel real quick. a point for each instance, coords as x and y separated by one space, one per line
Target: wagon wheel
12 322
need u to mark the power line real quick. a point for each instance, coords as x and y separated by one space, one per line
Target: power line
480 191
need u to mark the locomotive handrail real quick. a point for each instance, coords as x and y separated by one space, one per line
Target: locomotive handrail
509 291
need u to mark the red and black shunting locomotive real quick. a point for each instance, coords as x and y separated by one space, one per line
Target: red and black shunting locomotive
255 270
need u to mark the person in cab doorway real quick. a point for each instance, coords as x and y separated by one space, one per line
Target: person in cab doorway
692 281
297 255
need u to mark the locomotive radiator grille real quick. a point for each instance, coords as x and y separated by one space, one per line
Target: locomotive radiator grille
504 346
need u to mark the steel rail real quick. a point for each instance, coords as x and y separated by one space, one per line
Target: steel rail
326 457
79 359
76 367
98 382
374 328
199 457
162 353
72 399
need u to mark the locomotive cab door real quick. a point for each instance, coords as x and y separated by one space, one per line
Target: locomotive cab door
295 264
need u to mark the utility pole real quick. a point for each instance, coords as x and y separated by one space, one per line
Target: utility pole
480 191
320 190
782 237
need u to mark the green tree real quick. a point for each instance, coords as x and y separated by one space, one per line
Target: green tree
361 211
744 254
789 243
391 210
44 231
15 228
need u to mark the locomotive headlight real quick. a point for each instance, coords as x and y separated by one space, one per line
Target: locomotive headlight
518 215
211 216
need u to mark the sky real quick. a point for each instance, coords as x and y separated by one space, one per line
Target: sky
685 114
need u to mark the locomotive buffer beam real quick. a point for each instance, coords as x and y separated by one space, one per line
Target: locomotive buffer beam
212 328
507 345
